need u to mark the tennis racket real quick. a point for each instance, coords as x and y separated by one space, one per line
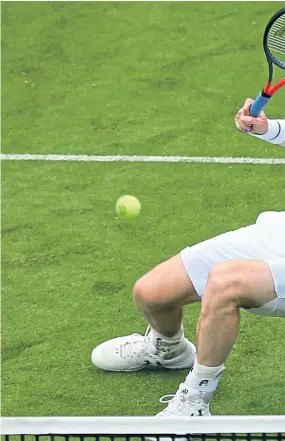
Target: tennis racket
274 48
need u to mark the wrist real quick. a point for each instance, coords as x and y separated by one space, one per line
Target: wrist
263 130
275 133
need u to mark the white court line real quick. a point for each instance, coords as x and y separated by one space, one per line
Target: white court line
130 158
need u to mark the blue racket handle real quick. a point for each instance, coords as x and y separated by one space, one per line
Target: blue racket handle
258 105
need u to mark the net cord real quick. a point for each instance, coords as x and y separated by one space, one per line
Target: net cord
139 425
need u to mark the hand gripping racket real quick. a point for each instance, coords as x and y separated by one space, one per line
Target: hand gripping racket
274 48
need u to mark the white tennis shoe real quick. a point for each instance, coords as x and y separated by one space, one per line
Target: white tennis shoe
134 352
186 402
183 404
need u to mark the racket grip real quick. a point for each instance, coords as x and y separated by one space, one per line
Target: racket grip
258 105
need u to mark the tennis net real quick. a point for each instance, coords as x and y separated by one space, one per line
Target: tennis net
220 428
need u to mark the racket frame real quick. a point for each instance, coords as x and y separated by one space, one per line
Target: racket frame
267 92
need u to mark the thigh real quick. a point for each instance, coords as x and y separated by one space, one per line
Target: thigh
276 307
254 285
247 282
169 284
277 268
244 243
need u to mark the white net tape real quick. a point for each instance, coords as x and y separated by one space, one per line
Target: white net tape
141 425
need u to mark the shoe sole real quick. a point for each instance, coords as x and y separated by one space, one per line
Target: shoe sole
147 367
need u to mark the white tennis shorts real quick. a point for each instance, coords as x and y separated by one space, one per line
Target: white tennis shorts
264 240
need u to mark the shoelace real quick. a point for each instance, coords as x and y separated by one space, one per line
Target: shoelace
166 398
178 401
134 348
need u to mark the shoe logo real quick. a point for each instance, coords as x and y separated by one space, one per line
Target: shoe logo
158 342
204 383
200 412
184 391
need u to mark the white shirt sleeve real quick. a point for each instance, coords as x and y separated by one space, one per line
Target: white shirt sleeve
275 133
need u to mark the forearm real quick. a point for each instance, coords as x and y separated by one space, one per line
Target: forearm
275 133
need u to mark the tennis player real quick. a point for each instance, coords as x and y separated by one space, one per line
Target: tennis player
244 268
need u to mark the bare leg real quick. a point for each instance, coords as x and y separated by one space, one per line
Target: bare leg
161 293
231 285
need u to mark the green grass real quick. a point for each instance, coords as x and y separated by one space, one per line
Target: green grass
128 78
158 78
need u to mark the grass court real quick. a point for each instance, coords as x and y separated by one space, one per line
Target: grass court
130 78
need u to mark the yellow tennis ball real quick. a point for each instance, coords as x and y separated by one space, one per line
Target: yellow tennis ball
128 206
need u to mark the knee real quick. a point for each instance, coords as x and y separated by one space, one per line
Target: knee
141 293
147 294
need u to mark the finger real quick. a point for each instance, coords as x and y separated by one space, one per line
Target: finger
242 127
239 119
248 120
240 112
247 104
242 130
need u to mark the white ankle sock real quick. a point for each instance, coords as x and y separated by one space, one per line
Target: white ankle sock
204 378
177 338
206 371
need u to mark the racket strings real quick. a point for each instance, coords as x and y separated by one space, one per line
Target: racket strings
276 38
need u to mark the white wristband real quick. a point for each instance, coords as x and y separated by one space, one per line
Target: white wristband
275 133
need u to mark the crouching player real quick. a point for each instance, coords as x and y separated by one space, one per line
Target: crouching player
244 268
